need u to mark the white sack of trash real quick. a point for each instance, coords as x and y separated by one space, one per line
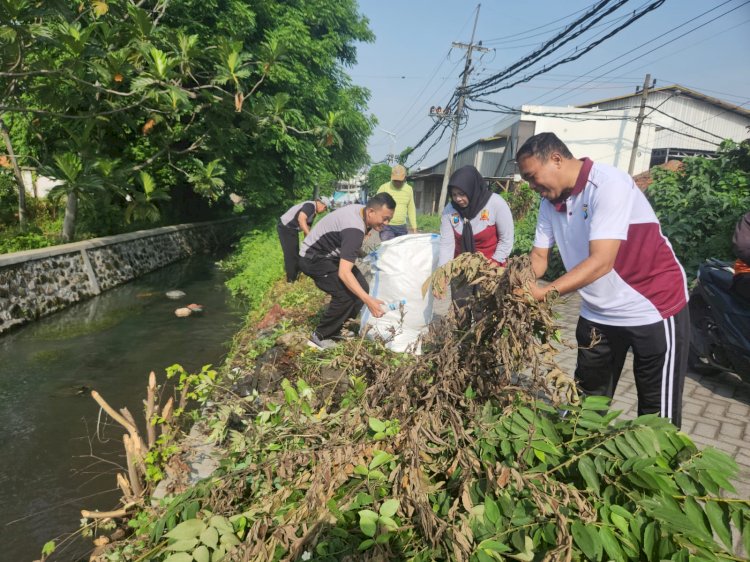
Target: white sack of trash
400 267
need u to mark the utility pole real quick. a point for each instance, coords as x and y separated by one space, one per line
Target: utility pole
639 124
456 117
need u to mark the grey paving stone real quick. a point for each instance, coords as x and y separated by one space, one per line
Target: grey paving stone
706 429
702 441
688 398
728 448
737 418
716 417
738 409
692 408
741 444
732 430
743 458
703 391
716 409
687 425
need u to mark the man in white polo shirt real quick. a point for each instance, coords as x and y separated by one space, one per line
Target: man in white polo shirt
633 289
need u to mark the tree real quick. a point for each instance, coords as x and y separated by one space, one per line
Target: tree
17 173
403 156
207 97
377 176
78 181
142 205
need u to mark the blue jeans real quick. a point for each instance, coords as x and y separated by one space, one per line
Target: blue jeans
391 231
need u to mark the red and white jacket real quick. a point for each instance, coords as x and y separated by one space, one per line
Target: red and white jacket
492 227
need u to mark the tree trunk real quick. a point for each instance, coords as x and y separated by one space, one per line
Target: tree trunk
19 178
69 222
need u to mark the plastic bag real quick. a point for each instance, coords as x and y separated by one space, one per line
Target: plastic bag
400 267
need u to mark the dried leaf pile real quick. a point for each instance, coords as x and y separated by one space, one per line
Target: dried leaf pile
476 450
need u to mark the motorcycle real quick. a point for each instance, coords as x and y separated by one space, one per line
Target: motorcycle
720 322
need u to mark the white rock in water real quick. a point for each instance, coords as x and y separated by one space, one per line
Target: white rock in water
174 295
183 312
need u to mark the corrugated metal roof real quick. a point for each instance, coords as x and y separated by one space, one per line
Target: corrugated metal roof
489 157
677 88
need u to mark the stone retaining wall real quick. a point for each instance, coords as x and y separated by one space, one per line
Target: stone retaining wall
36 283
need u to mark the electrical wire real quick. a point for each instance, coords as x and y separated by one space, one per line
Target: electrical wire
595 15
419 95
656 109
432 146
475 88
427 99
532 44
684 134
632 19
586 116
432 129
620 56
702 89
521 33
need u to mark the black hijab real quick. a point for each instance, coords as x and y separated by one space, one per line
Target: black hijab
470 181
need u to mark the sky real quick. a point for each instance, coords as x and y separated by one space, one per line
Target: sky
700 44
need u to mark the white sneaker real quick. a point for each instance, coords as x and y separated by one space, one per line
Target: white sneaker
317 343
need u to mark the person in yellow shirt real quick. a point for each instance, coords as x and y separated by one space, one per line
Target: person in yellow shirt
403 194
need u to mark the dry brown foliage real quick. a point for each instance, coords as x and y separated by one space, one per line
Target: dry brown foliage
504 352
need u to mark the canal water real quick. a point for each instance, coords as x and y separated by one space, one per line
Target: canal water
56 455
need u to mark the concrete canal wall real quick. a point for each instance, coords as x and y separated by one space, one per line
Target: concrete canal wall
39 282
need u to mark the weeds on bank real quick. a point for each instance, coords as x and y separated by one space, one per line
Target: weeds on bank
256 266
479 449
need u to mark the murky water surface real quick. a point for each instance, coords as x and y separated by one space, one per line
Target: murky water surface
55 458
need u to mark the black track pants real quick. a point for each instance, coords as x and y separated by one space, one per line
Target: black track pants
660 352
344 304
289 238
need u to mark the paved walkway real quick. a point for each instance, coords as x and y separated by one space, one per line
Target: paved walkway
715 409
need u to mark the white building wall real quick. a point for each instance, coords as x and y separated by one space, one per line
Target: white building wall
717 123
603 136
44 185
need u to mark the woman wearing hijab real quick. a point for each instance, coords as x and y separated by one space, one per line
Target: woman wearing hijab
476 220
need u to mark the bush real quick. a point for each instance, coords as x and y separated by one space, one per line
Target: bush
377 176
257 264
699 205
449 455
428 223
8 200
19 242
524 207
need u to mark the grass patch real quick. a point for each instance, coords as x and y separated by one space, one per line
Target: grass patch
257 265
428 223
